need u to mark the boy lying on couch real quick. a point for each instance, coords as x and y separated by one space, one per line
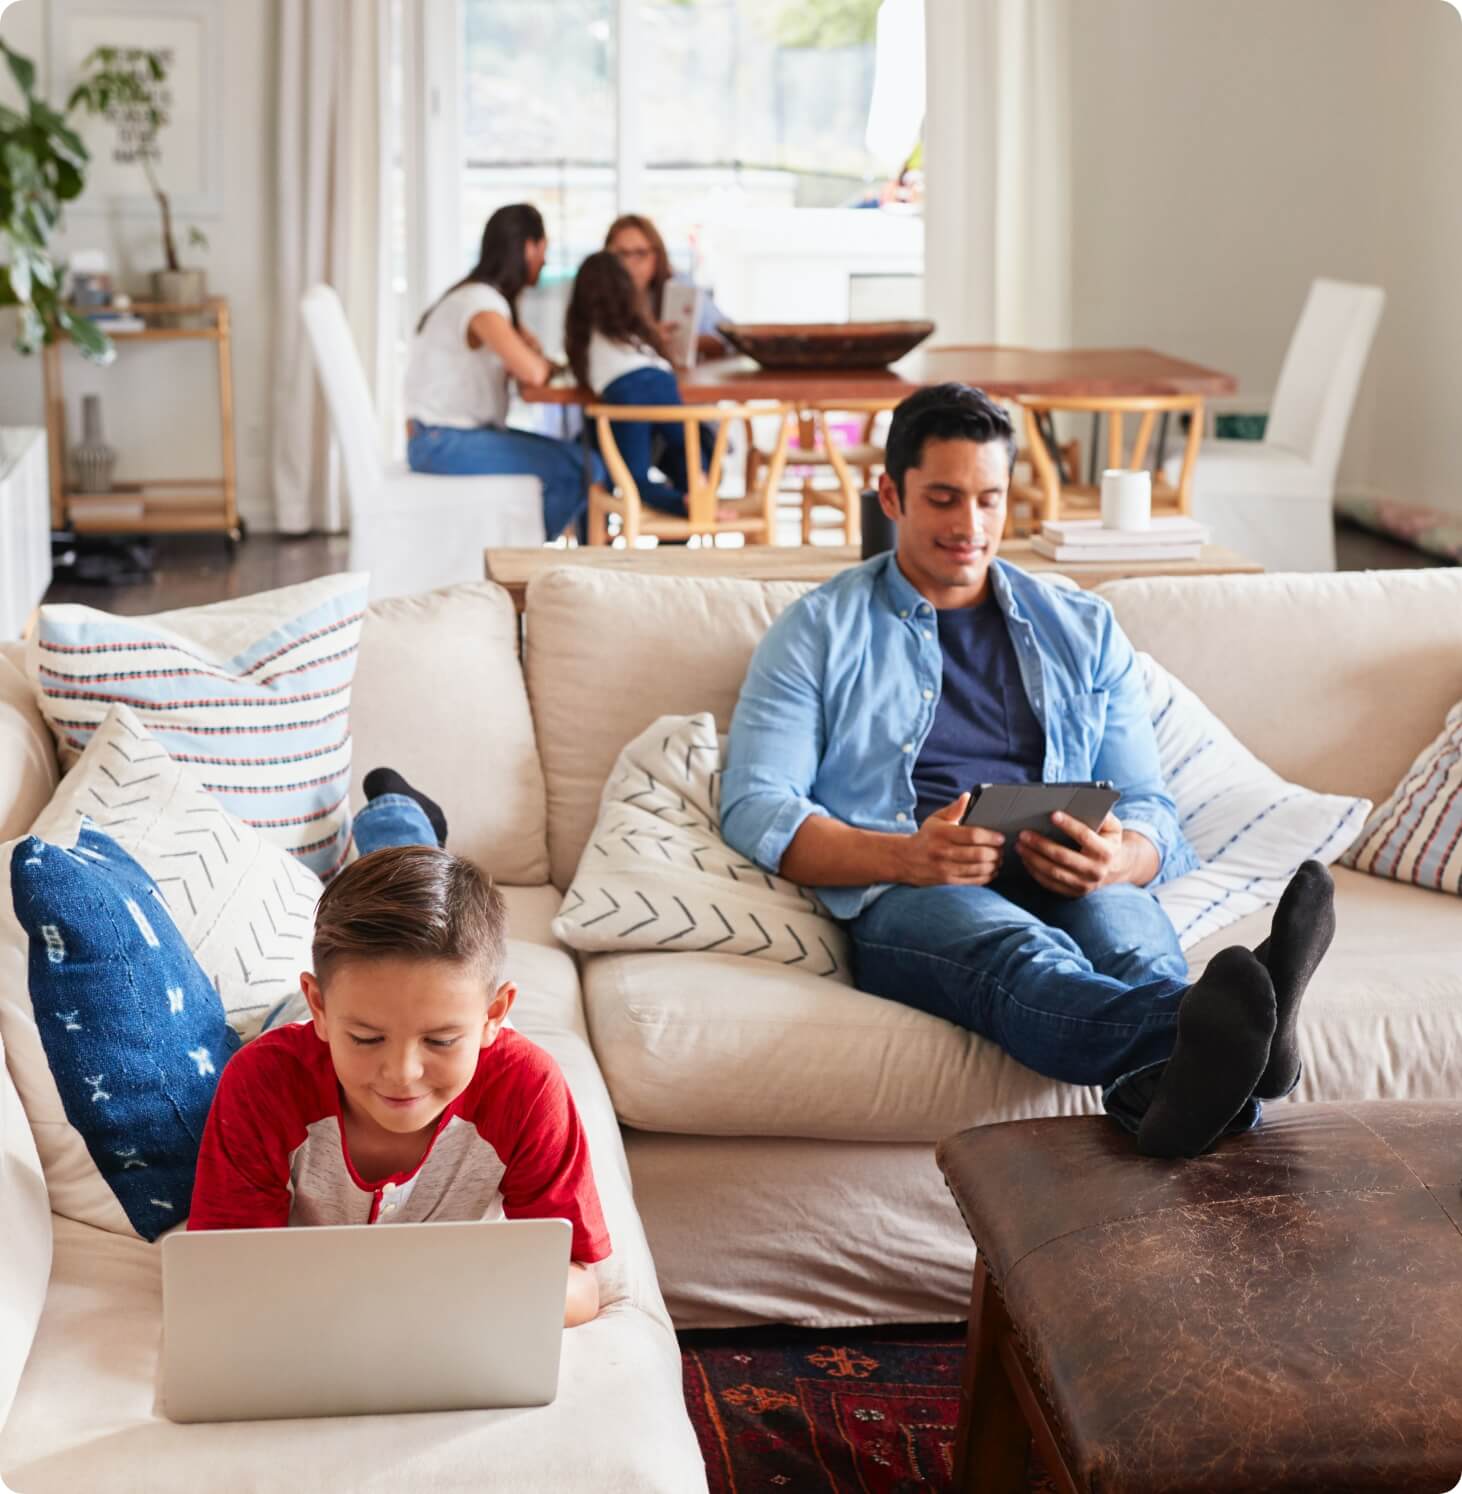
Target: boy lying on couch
405 1097
876 701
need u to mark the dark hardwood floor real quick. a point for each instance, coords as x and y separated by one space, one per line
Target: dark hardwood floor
191 570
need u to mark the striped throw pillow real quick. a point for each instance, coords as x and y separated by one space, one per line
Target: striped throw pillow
252 696
1250 828
1416 835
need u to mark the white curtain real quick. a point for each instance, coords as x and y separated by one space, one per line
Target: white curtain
331 203
998 172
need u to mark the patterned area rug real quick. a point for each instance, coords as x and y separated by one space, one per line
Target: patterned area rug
827 1411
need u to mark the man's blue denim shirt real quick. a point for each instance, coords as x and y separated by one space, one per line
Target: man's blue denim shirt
842 691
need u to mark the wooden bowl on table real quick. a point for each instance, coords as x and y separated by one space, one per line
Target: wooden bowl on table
825 345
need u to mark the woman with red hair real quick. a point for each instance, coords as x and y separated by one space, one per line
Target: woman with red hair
635 242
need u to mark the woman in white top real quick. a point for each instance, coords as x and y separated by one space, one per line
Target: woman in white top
616 348
465 349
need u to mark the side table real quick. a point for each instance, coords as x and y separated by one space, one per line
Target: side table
193 505
1281 1316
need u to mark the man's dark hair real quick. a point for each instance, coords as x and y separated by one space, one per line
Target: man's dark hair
943 412
411 902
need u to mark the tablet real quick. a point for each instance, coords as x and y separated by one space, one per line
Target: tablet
1013 807
681 307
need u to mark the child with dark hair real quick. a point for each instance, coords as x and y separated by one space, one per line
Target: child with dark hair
404 1096
615 348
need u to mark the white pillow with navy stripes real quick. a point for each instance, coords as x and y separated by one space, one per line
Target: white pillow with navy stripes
252 695
1250 828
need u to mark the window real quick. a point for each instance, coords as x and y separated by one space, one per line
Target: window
711 116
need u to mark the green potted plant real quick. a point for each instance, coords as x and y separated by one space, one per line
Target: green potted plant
42 167
129 84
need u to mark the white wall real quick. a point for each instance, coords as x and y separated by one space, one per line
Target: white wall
1226 154
159 402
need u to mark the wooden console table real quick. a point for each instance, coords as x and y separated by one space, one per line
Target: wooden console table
514 569
202 505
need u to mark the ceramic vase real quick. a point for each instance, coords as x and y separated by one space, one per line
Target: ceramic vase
93 458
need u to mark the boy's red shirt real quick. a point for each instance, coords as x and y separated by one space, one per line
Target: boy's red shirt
510 1145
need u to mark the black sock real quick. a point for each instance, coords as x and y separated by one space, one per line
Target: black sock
1225 1024
388 781
1304 925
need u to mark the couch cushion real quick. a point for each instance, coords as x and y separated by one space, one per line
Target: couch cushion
716 1045
871 1237
84 1416
607 653
1383 1018
439 696
531 911
25 1257
1335 681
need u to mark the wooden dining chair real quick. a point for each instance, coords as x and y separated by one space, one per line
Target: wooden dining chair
756 512
820 445
1054 497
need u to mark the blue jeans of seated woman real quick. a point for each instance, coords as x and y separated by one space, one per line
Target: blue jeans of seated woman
560 466
1084 990
643 445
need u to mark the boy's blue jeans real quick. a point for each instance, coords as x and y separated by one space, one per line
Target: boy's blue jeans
387 820
1084 990
560 466
392 820
643 445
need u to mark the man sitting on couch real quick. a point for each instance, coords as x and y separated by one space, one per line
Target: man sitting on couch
876 701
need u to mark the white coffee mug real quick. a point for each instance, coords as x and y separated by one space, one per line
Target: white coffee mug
1126 499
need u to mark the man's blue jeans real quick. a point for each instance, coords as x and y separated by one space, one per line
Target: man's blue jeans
1084 990
643 445
392 820
563 467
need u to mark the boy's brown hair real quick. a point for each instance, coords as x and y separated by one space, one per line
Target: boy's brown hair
411 902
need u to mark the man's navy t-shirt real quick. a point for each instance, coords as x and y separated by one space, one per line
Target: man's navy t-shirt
984 729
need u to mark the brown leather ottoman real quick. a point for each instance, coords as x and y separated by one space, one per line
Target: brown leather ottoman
1282 1315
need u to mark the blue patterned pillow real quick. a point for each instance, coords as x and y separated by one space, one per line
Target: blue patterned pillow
121 1027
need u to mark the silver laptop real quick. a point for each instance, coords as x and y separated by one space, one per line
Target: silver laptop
348 1320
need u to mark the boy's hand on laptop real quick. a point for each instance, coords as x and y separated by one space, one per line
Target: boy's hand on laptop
1101 856
942 852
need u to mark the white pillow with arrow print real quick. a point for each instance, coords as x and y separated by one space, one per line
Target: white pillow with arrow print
657 875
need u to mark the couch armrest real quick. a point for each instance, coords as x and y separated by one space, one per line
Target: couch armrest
25 1239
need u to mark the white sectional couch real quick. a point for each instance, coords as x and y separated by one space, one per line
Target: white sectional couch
778 1128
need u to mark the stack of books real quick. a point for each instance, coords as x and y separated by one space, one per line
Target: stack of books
1168 537
111 319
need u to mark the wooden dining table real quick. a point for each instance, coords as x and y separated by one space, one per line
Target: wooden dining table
1003 372
1000 371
